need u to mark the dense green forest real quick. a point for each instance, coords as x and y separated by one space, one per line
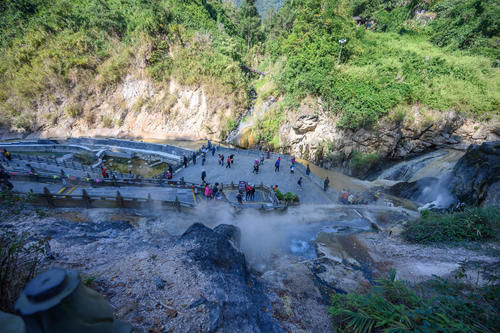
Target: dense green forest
441 55
265 8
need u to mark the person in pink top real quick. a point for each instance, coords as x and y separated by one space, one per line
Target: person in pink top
208 192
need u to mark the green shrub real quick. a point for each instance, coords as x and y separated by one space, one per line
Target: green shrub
361 163
73 110
12 203
440 306
279 195
107 122
468 24
290 197
473 224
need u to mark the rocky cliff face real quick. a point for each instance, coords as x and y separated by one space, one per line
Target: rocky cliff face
135 108
311 133
315 136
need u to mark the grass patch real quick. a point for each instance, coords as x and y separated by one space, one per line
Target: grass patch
73 110
473 224
435 306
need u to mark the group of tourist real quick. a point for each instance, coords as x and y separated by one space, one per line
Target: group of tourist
228 161
358 198
214 192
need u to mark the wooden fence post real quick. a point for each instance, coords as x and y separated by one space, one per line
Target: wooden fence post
177 203
48 197
119 199
86 198
149 202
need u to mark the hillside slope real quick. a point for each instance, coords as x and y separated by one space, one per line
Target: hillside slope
412 75
65 62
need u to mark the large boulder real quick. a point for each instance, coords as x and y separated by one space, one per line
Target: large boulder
475 172
237 299
213 251
305 123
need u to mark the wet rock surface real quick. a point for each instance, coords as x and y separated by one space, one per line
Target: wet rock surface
413 190
475 172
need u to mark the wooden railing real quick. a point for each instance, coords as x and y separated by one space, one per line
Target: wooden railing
98 201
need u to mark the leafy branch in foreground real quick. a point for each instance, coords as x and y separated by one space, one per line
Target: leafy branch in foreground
20 257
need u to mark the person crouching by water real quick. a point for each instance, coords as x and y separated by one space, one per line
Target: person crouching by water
239 197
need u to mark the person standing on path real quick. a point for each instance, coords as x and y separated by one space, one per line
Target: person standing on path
203 175
194 158
213 150
248 191
268 154
299 182
325 183
208 192
277 166
185 161
308 170
239 197
292 168
228 162
6 154
4 179
231 158
222 160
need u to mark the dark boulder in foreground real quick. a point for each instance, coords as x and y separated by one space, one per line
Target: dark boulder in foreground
475 172
239 302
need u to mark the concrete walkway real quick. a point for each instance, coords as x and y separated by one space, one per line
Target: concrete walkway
242 170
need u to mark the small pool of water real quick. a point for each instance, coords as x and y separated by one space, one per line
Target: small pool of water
300 239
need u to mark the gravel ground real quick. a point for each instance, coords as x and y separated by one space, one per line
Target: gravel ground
139 262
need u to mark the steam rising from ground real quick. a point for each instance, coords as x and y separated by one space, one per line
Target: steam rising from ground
264 236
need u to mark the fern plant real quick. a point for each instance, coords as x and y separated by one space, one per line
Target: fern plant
393 306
